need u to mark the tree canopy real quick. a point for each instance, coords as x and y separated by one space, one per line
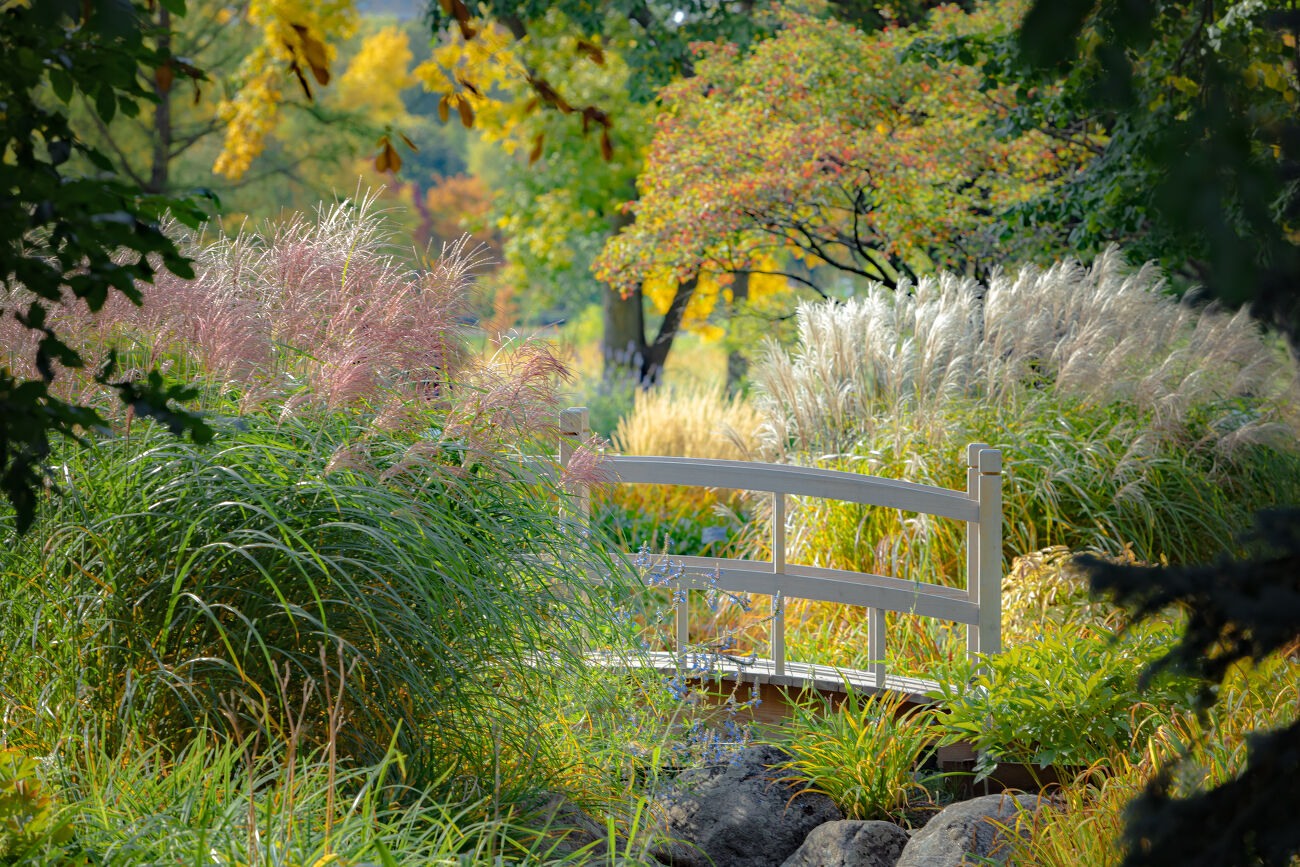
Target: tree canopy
831 145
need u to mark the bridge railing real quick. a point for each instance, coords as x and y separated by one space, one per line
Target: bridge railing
979 507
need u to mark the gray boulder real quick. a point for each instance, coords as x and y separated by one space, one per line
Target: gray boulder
738 815
850 843
970 828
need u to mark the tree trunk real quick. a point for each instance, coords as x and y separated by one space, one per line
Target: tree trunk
656 354
623 343
625 348
160 170
737 363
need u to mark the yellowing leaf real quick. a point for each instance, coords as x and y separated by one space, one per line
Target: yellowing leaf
164 76
444 107
388 160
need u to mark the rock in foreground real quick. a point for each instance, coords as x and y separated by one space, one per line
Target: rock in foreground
967 831
851 843
739 815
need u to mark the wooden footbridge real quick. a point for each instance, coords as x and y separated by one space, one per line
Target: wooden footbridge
978 606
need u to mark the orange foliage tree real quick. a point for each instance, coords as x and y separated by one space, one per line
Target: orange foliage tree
834 146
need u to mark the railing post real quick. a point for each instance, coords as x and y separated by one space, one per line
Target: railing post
575 429
973 544
876 645
990 551
778 567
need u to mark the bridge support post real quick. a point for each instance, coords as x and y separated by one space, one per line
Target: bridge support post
973 544
778 567
876 645
575 429
987 584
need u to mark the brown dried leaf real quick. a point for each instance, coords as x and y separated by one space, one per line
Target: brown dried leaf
592 50
410 144
315 53
536 153
164 76
444 107
184 67
606 146
466 113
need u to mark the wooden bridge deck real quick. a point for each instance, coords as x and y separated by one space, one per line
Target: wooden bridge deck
800 682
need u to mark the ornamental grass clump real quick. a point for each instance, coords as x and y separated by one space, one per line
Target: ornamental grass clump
1123 415
357 557
205 584
692 420
864 754
310 315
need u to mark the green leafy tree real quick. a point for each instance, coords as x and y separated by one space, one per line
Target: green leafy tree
1200 154
1189 111
65 233
554 208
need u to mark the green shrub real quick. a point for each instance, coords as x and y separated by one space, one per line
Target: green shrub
1062 699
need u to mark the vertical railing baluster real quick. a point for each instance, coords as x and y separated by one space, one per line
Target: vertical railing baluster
876 645
973 545
990 551
778 567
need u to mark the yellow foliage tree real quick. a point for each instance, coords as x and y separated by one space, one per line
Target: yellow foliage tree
377 75
299 36
661 288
